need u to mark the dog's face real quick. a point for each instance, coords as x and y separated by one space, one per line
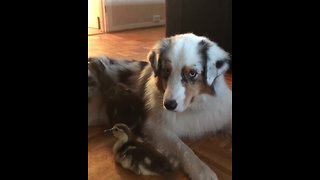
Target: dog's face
186 66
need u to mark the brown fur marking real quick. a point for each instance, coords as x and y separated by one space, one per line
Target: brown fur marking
194 87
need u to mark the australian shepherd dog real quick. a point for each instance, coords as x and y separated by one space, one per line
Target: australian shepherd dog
180 93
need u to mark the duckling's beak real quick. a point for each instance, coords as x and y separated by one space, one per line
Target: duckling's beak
108 130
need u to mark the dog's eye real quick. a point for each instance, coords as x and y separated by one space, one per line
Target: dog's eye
166 73
193 74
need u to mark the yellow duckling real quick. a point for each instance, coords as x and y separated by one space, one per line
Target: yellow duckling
139 157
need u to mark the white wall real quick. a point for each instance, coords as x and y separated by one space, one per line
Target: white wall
128 14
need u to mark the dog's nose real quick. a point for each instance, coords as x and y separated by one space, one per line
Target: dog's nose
170 104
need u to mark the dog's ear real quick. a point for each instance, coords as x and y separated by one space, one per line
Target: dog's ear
153 59
216 60
156 54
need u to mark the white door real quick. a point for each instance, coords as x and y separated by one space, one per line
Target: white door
95 16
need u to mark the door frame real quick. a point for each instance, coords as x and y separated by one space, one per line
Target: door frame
102 17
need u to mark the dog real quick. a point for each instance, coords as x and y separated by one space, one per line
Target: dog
182 90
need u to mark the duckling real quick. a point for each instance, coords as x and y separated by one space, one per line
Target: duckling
138 156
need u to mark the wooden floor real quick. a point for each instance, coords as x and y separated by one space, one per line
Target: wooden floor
134 44
94 31
216 151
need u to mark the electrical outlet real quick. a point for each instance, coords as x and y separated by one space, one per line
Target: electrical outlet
156 18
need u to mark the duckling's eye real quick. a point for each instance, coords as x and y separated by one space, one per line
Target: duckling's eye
116 129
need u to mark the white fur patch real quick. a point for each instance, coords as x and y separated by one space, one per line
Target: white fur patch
175 91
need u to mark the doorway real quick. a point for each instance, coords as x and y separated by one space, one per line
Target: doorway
95 17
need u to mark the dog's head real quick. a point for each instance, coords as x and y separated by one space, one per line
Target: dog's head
186 66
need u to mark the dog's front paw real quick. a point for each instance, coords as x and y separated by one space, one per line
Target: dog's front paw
204 173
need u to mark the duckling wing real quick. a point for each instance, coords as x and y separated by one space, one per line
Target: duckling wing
151 158
146 155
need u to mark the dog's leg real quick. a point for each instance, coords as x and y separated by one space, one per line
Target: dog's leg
227 131
172 146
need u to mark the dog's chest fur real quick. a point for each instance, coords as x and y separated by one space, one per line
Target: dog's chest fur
198 120
207 114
